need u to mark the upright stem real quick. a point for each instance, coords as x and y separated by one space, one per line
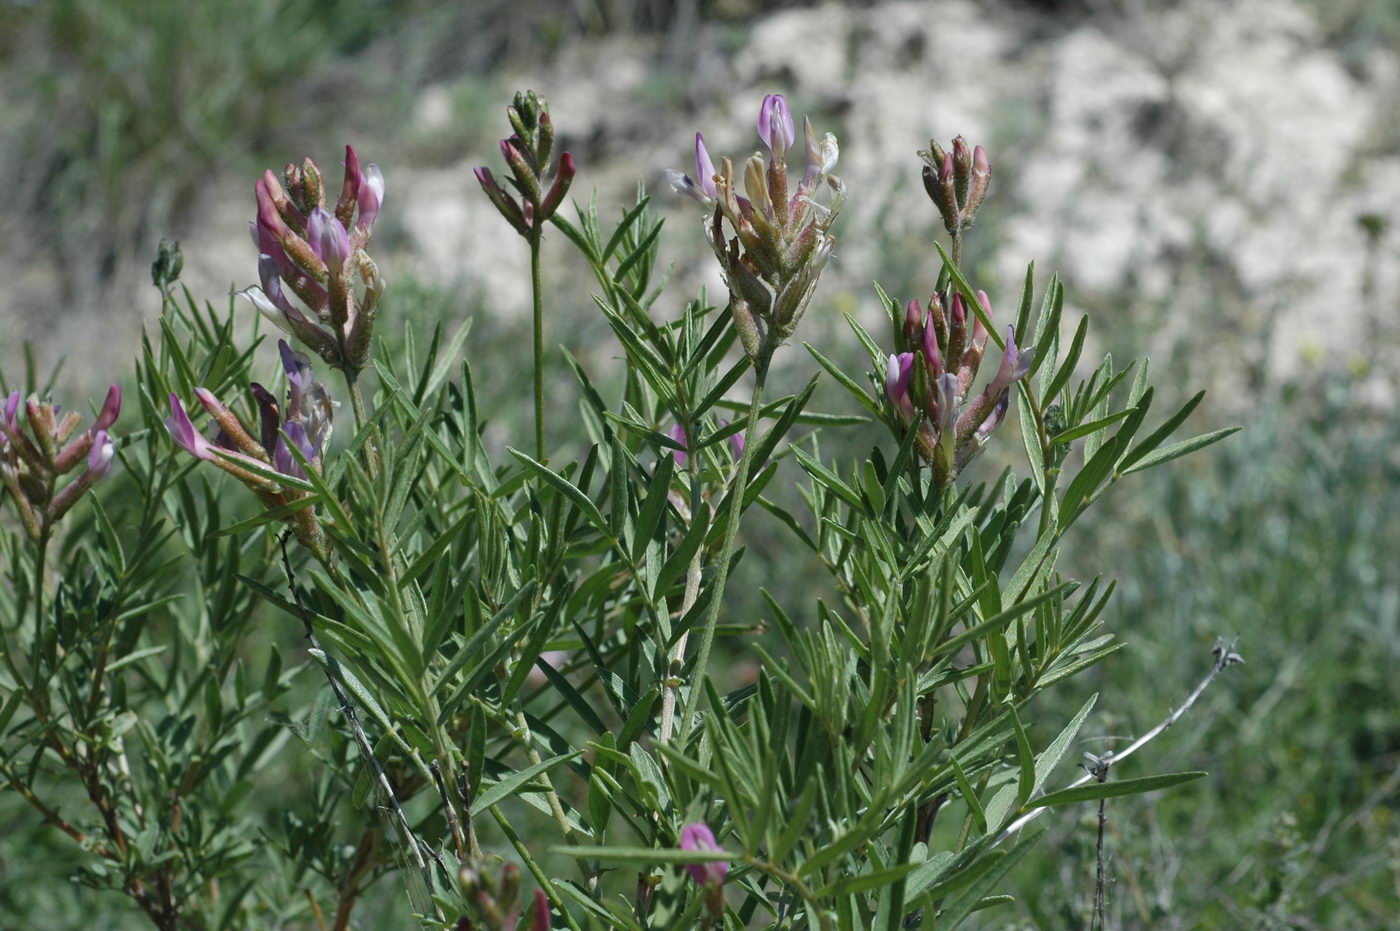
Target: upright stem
731 529
357 404
40 561
957 247
537 293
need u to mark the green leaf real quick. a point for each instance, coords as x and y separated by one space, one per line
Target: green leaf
1178 450
1066 369
569 490
1050 758
645 856
863 397
1092 426
969 795
507 787
1097 790
972 897
1026 783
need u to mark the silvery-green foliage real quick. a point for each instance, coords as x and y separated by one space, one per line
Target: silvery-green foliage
488 655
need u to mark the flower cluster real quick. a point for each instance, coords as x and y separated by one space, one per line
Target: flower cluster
256 461
527 153
956 181
928 383
32 462
781 235
313 252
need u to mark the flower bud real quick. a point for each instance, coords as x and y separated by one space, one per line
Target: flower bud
504 204
977 187
775 125
110 409
541 920
564 176
747 327
524 174
165 270
913 323
962 168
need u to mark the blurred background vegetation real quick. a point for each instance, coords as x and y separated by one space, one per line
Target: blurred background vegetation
1218 185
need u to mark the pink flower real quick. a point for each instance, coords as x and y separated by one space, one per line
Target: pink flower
183 432
698 836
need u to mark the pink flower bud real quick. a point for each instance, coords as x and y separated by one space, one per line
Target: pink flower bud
913 322
541 920
503 202
932 357
710 872
110 409
775 125
562 179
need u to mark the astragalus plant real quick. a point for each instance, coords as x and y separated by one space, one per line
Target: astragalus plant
284 654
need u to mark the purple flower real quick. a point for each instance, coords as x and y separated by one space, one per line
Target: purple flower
898 371
7 418
704 168
298 369
775 125
1015 364
99 460
185 435
328 239
701 187
698 836
282 456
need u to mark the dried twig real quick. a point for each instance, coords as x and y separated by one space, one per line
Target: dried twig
361 741
1224 656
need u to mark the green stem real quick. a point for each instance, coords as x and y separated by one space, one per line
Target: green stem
731 530
537 296
357 404
957 248
40 561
